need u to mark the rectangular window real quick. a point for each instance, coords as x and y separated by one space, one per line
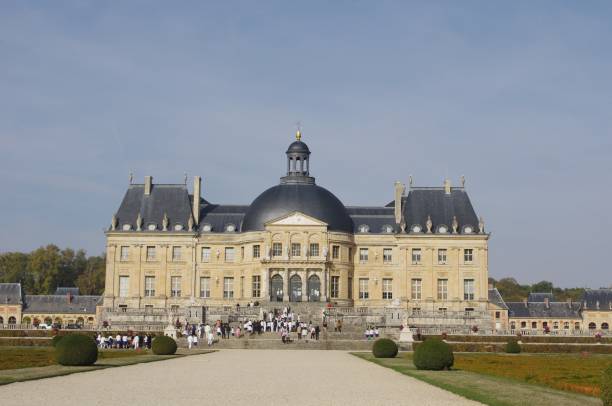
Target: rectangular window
534 324
228 288
205 254
468 255
277 249
523 324
175 286
442 289
387 255
256 251
335 251
177 254
205 287
387 288
416 256
350 254
125 253
363 255
149 286
468 289
416 289
350 288
124 286
296 249
256 286
151 253
498 315
442 256
230 254
174 308
335 286
363 288
314 250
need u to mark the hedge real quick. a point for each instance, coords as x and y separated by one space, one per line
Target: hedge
525 339
76 349
163 345
530 348
25 342
384 348
513 347
606 387
434 355
56 339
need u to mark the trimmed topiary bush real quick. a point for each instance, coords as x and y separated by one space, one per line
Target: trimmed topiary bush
163 345
76 349
384 348
606 387
56 339
434 355
513 347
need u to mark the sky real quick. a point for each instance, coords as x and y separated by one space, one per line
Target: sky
516 96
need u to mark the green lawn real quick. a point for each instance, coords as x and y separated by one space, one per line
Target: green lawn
478 378
28 357
26 363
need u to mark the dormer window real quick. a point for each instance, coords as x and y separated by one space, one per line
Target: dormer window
126 227
442 229
178 227
207 228
364 228
416 228
467 229
152 227
387 229
230 228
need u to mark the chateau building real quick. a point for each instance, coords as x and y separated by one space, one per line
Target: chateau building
424 251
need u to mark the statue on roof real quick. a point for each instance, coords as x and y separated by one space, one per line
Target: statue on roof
481 225
139 222
455 224
190 222
114 222
165 222
428 224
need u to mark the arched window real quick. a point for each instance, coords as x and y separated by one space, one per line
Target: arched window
605 326
566 325
592 326
1 321
556 325
80 321
26 320
12 320
512 326
577 325
48 321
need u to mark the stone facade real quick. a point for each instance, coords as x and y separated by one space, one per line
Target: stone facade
424 252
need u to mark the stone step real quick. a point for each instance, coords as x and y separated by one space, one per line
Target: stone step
345 345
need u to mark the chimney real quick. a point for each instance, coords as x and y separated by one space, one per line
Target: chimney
546 302
69 297
447 187
525 302
148 185
569 302
197 193
399 192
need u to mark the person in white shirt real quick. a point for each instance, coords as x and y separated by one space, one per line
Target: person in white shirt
118 341
195 340
124 342
190 341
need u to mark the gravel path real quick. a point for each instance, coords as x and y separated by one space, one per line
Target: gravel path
249 377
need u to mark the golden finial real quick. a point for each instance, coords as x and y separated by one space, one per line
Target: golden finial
298 131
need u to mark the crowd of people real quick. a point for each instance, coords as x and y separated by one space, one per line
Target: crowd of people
124 341
371 333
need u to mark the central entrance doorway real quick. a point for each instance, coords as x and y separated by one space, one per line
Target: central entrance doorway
314 288
276 288
295 287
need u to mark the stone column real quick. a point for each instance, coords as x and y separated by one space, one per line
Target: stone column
324 282
286 286
265 285
305 286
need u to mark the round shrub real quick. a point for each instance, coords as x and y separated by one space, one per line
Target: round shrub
606 387
433 354
513 347
384 348
56 339
163 345
76 349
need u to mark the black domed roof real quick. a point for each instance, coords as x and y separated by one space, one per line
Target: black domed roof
298 147
309 199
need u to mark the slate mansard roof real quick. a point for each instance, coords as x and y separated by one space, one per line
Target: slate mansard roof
597 299
496 298
557 310
10 293
60 304
297 191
